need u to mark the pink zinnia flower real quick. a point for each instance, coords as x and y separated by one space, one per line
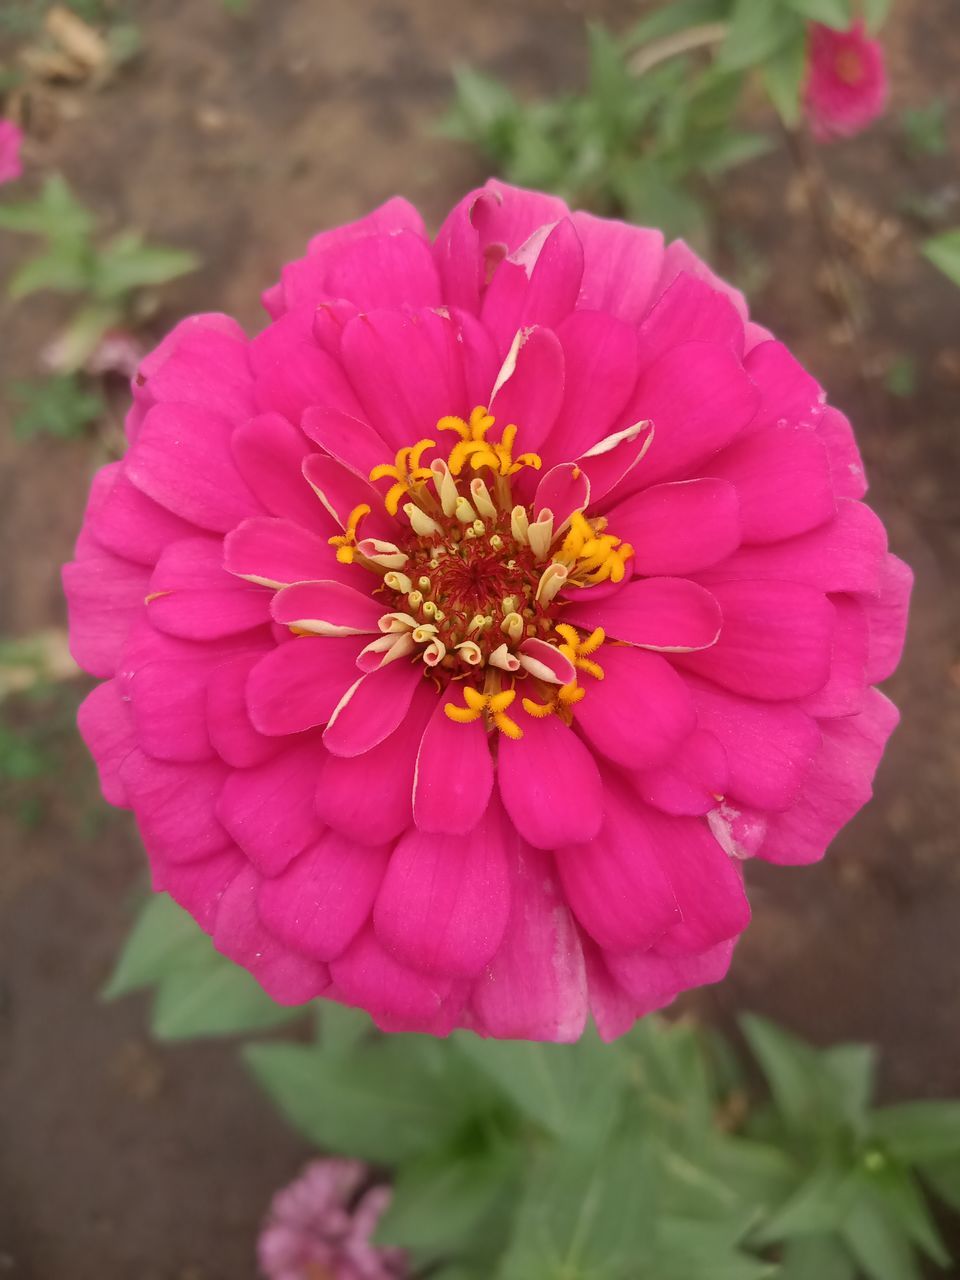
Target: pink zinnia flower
846 86
464 629
11 139
320 1227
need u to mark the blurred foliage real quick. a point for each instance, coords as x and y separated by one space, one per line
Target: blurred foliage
944 252
652 1158
658 122
925 128
61 406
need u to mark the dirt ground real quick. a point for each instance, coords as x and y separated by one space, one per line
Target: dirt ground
238 137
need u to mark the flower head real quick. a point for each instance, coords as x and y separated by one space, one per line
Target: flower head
320 1227
11 139
463 630
846 87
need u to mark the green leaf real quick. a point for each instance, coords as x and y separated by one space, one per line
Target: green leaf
82 335
732 149
586 1214
788 1064
758 28
943 1178
573 1091
944 252
388 1103
340 1029
849 1070
215 999
925 128
55 214
783 76
59 406
832 13
816 1258
905 1203
875 13
688 1249
820 1206
901 377
919 1131
126 263
164 939
66 266
440 1200
878 1244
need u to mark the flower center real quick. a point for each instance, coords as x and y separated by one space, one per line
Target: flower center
849 66
472 589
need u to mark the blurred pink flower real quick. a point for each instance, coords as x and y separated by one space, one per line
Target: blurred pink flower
846 86
463 630
320 1228
11 138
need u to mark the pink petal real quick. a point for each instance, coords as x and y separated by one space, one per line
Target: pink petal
615 883
324 898
537 284
202 363
371 709
327 608
600 372
445 899
275 553
536 985
769 746
348 439
563 490
612 459
103 719
192 596
614 1012
341 492
181 458
393 270
269 453
169 705
621 266
887 619
287 977
653 981
775 642
293 372
298 684
228 721
679 528
406 371
368 976
131 525
672 615
529 388
692 782
198 886
844 692
175 805
848 554
550 784
680 257
782 478
344 789
545 662
104 597
846 465
454 775
838 785
789 396
689 310
268 809
698 399
664 717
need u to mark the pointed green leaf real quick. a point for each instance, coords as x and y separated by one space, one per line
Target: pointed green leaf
783 76
673 17
55 214
875 13
878 1243
758 28
832 13
919 1131
819 1206
944 252
164 939
64 267
218 999
943 1178
126 263
789 1065
816 1258
905 1203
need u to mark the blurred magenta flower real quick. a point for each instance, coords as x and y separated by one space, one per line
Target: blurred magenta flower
463 630
320 1227
11 140
846 87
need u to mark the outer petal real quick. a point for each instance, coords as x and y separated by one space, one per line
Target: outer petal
846 465
203 362
672 615
368 976
691 783
789 396
844 691
621 266
104 597
775 642
837 786
445 900
653 981
681 527
529 387
887 619
228 721
324 898
454 775
600 372
175 806
689 310
191 595
133 526
660 711
536 985
269 453
299 684
269 809
550 784
293 372
537 284
169 706
105 725
393 270
615 884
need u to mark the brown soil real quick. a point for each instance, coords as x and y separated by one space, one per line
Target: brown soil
238 137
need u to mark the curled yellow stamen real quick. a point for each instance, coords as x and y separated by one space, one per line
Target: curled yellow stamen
493 706
474 447
406 471
594 556
579 650
346 542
